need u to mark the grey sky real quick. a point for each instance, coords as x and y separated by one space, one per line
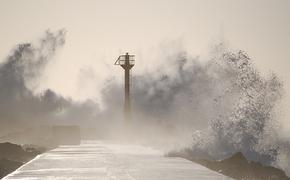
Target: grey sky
99 30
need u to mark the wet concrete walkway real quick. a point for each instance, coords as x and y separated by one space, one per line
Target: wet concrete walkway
98 160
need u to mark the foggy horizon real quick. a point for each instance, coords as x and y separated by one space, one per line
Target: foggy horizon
210 77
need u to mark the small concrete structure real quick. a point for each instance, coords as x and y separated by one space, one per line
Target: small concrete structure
66 135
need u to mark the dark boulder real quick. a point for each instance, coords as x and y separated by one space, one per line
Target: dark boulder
12 156
237 167
8 166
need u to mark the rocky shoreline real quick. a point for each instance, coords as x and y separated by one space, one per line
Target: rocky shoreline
12 156
237 167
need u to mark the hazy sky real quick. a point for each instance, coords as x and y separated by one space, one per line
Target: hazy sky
99 30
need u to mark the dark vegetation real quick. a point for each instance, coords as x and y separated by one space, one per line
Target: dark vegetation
12 156
236 166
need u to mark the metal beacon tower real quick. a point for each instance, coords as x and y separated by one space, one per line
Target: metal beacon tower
126 62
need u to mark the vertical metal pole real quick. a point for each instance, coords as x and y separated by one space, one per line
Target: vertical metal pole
126 65
127 105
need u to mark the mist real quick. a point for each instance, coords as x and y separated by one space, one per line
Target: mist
215 106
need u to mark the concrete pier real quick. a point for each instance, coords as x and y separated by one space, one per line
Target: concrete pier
104 160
